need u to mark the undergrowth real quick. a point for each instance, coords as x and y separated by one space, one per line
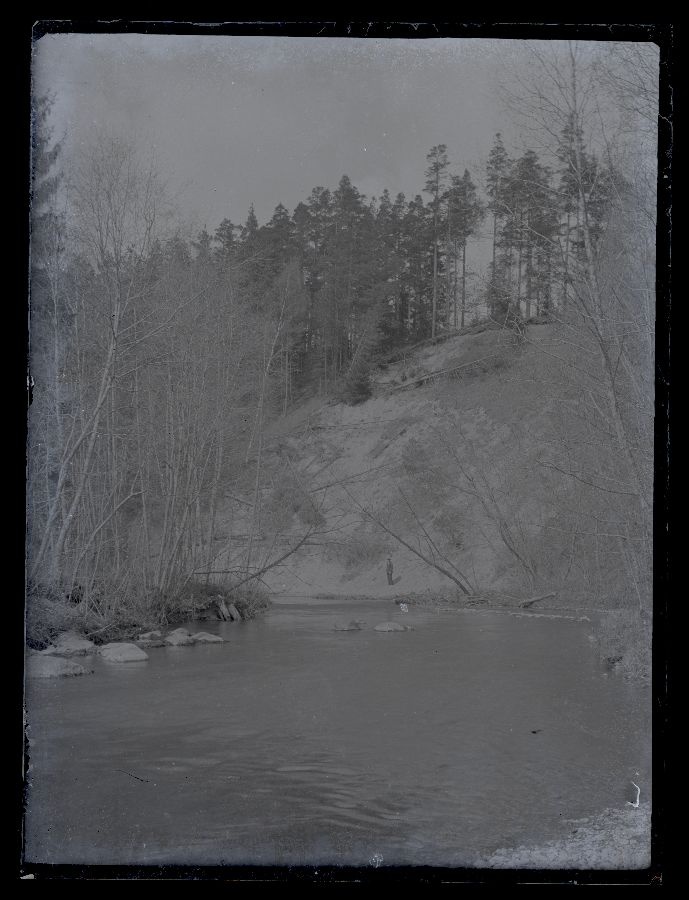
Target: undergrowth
108 616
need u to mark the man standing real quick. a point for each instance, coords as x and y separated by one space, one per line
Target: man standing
388 569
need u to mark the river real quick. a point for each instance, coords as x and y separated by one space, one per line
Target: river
296 744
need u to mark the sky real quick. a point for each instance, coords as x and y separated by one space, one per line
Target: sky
239 120
233 121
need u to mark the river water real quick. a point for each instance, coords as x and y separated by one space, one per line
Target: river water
296 744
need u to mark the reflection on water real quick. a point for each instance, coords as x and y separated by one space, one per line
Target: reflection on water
293 743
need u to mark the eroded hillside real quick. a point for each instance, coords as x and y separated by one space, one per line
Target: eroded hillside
475 465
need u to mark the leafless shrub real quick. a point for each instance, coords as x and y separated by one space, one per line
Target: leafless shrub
358 551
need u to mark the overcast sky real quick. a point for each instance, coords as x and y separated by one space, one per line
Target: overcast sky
263 120
238 120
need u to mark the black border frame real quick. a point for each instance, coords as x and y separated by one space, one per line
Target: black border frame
666 502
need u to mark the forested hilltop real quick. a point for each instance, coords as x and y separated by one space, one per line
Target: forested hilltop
164 362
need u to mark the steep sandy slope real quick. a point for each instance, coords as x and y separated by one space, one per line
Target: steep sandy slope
475 468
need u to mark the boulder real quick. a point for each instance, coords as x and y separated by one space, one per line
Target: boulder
122 652
203 637
71 644
40 666
150 636
392 626
147 644
180 637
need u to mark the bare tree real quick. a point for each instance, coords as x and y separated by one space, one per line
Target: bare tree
112 227
612 313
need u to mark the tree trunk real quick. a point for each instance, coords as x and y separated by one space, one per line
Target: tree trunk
435 285
464 280
566 266
529 263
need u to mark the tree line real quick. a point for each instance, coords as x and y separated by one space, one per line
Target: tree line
356 277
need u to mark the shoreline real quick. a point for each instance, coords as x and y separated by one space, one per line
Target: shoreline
612 839
441 602
614 652
622 652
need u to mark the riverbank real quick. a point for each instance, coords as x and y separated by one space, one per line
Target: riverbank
623 636
614 839
105 618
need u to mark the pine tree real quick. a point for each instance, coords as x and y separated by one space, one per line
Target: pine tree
436 180
388 258
497 169
252 277
356 384
417 248
203 248
280 238
465 212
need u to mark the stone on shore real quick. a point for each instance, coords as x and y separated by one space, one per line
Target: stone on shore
392 626
180 637
203 637
148 639
70 644
122 652
40 666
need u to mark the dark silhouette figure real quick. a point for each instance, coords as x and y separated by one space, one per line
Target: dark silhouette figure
388 569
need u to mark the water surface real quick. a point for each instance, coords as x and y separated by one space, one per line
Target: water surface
295 744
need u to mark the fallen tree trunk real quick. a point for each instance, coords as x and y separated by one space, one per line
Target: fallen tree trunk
439 373
228 612
221 610
525 604
234 613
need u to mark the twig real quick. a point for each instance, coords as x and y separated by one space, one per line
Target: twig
635 804
145 780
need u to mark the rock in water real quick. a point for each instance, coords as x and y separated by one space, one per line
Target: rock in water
147 644
39 666
392 626
71 644
180 637
122 653
352 626
234 613
150 636
203 637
